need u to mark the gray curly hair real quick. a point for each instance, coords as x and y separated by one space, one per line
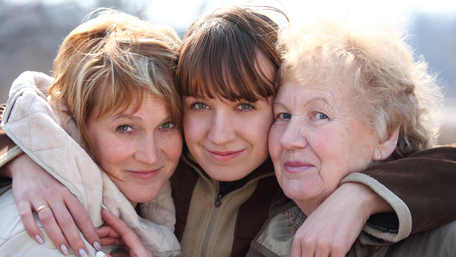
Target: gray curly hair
396 89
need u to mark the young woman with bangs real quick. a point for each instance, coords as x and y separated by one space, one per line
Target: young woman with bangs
224 186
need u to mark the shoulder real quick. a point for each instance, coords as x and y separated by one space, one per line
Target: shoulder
276 236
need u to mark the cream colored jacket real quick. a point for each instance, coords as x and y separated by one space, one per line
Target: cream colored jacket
52 141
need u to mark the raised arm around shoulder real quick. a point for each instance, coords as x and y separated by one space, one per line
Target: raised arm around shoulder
8 149
424 182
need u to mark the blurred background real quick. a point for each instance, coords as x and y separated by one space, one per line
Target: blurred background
32 30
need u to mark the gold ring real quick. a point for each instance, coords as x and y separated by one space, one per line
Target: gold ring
42 207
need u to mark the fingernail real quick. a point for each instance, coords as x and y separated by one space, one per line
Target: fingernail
100 254
97 246
104 207
83 253
39 239
64 249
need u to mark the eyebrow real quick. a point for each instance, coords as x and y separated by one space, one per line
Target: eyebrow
309 102
127 116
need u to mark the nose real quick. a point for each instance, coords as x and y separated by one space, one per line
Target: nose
148 151
221 129
294 135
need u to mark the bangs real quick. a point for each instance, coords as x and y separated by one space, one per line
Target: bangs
116 96
214 63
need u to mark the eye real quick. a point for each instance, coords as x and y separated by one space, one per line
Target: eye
321 116
284 116
167 125
245 106
124 128
200 106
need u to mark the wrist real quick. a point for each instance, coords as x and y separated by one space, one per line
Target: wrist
369 201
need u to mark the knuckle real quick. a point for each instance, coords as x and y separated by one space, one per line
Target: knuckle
83 219
25 214
308 242
65 221
46 216
76 242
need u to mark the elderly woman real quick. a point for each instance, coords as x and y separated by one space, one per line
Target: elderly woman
349 98
114 94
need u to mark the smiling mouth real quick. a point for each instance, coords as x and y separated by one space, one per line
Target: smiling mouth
224 156
296 166
144 175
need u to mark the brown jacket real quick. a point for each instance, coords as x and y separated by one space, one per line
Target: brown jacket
210 225
276 236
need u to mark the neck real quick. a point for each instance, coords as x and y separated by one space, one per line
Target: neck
307 207
310 205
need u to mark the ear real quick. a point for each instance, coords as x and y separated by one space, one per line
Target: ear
386 148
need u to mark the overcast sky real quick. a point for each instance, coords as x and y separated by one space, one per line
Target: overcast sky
301 9
180 13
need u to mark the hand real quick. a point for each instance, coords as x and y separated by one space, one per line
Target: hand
109 236
128 237
34 187
334 226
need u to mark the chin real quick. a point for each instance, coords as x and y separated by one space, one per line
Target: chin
144 197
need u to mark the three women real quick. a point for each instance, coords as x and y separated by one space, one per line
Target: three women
226 73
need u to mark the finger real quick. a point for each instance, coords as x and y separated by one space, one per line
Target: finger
69 228
25 210
107 231
111 241
130 239
296 250
52 228
124 230
83 221
323 251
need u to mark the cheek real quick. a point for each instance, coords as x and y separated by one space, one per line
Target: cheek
257 130
110 155
275 149
174 146
194 129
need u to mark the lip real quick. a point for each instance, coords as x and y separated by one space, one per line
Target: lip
143 174
224 156
297 166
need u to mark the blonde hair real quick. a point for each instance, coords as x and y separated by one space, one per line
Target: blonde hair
394 90
113 58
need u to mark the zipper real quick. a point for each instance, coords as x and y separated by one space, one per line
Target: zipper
218 200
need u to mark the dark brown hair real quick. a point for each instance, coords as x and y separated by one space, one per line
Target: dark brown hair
219 55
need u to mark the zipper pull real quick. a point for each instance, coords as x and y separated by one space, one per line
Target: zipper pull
218 201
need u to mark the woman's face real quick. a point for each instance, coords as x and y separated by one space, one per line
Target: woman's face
138 150
228 139
317 139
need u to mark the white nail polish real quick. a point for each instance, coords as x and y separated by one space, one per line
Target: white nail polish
83 253
64 249
39 239
97 246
